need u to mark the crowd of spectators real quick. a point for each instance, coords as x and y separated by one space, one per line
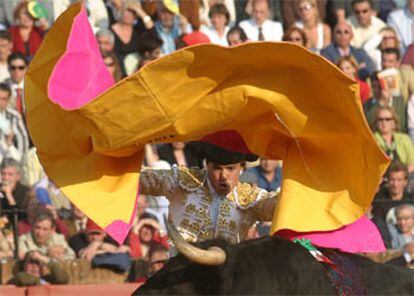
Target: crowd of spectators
371 41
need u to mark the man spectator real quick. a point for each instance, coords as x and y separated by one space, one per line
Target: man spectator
17 64
342 47
268 173
260 27
170 25
76 223
12 129
402 233
102 252
5 51
402 20
394 193
158 257
382 96
341 9
13 193
106 40
363 22
34 272
47 245
94 241
390 59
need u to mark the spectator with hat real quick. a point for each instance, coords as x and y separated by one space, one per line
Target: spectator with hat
94 241
170 25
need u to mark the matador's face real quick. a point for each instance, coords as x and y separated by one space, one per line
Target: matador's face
223 178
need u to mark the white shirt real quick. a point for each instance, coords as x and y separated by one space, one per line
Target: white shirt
271 30
4 72
213 35
402 21
362 34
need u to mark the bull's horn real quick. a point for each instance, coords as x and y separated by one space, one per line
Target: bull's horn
213 256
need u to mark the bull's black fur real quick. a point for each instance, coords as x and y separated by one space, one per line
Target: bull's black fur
271 266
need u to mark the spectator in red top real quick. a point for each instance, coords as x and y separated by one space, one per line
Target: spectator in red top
349 66
27 35
144 233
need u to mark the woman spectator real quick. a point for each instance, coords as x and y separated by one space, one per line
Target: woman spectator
145 233
387 38
236 36
27 35
296 35
318 33
349 66
217 31
126 32
181 154
112 64
397 146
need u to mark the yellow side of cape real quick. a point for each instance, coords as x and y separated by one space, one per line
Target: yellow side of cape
285 102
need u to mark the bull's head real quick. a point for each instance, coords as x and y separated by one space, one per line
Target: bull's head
213 256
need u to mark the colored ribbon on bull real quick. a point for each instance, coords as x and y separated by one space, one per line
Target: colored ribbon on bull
277 100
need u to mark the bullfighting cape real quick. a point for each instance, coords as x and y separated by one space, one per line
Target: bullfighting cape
277 100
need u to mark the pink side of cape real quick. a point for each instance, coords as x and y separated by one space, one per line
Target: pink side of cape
362 236
80 76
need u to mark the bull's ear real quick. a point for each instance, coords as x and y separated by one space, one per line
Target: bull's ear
213 256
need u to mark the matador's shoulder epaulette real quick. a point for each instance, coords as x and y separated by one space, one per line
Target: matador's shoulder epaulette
246 195
189 179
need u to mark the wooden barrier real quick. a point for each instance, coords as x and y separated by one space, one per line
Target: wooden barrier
83 290
80 272
12 291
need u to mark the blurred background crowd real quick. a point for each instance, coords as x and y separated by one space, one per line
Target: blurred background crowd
371 41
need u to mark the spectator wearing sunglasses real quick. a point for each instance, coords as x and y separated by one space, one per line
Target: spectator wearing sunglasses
341 47
396 145
318 33
17 65
383 97
363 22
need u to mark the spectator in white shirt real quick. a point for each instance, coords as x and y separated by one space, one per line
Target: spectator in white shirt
260 27
363 22
13 134
217 32
17 64
402 21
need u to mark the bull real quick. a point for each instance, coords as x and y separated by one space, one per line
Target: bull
272 266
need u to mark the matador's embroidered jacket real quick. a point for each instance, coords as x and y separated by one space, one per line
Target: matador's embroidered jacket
199 213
